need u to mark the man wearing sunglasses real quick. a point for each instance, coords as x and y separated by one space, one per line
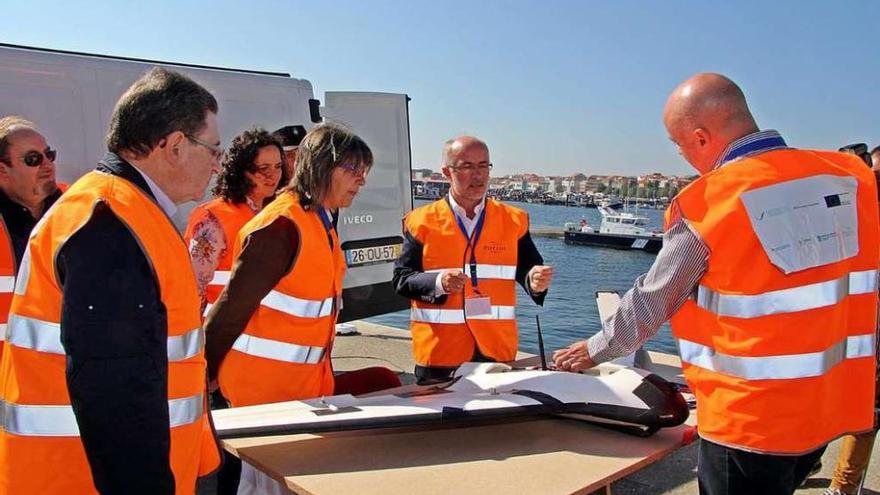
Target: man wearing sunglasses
462 257
27 190
103 377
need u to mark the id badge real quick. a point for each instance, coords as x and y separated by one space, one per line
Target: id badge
477 306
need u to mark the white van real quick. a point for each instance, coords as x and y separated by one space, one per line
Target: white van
70 97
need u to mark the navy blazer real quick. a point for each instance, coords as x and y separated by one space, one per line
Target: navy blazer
411 281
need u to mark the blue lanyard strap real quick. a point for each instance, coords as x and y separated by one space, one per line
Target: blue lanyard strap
328 224
472 242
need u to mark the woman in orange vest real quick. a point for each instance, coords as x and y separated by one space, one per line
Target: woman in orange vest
270 337
252 172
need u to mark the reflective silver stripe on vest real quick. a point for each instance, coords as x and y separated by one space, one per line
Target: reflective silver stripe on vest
277 350
801 298
24 269
2 332
185 346
428 315
186 410
221 277
7 284
295 306
500 272
44 336
777 367
33 334
59 421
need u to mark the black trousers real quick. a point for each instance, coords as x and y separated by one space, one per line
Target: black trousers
727 471
229 475
429 375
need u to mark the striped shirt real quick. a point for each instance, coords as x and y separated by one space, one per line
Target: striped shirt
674 276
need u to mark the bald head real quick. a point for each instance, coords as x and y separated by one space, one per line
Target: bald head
466 164
9 126
456 145
706 113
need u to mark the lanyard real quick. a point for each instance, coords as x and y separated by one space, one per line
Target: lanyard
472 243
328 224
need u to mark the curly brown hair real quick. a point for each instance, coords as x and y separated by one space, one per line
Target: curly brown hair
324 148
232 185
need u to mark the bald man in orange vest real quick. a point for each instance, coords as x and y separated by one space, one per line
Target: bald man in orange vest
768 273
462 258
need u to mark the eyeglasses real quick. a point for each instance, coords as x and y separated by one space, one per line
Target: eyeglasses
216 151
471 168
356 169
35 158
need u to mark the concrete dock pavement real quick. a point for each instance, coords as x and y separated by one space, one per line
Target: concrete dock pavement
378 345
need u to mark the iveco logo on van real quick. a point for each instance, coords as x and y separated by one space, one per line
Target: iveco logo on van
357 219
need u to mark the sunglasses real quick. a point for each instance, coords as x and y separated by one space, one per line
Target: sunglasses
35 158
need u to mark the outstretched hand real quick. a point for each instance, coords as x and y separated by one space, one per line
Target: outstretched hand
574 358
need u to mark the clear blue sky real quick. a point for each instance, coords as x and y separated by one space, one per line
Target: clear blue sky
554 87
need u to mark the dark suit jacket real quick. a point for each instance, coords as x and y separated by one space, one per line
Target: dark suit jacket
114 332
411 281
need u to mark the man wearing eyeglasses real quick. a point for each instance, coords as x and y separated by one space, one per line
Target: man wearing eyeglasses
103 376
462 256
27 190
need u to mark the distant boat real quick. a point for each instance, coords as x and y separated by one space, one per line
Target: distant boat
611 202
618 230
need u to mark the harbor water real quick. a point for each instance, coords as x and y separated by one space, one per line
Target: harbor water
569 312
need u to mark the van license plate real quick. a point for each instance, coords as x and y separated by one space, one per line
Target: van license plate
371 255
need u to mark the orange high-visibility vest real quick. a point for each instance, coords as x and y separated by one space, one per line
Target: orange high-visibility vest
284 352
7 279
232 218
7 274
40 447
442 334
780 363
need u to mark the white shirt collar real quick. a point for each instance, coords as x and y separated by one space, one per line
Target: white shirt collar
469 223
164 201
462 213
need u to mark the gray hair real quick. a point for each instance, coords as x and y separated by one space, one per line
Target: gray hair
452 146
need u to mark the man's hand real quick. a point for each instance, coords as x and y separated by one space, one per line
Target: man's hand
575 357
453 281
540 277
